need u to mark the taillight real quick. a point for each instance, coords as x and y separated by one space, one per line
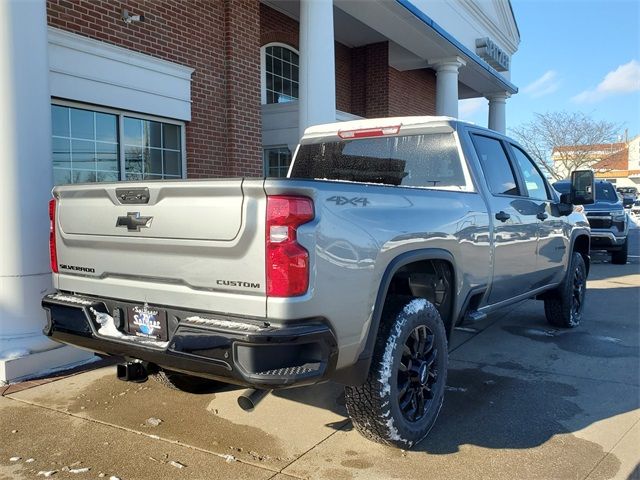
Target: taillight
369 132
287 261
52 236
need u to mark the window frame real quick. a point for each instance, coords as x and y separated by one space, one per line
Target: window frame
120 114
512 148
514 170
263 69
265 160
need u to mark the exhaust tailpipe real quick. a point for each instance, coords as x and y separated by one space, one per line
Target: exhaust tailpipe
250 398
132 372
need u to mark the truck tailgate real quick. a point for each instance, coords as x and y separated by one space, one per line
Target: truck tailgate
192 244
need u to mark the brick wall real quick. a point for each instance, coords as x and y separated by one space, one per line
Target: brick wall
370 80
220 40
343 77
378 90
412 92
277 27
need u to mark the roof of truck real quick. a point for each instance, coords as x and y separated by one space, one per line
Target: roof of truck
366 123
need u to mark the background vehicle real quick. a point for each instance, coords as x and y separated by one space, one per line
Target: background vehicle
629 195
635 211
418 224
608 220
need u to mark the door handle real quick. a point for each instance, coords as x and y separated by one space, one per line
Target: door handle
502 216
542 216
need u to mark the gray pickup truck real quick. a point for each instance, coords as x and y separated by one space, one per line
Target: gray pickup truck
386 235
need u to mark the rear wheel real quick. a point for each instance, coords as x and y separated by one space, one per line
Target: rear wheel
620 257
186 383
402 396
563 307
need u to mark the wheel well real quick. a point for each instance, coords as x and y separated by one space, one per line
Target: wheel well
430 279
581 246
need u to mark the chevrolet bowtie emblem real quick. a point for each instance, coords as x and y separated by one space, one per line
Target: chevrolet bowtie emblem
133 221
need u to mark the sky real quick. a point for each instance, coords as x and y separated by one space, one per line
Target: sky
574 55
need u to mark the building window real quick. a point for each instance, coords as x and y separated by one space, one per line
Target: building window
151 150
277 161
102 145
280 73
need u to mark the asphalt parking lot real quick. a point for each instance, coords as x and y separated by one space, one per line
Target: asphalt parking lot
524 400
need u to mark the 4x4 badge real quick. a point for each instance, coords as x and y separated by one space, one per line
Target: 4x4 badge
133 221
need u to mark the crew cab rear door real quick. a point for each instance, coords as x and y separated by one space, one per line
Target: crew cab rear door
552 237
515 222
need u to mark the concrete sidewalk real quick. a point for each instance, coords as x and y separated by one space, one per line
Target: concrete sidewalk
524 401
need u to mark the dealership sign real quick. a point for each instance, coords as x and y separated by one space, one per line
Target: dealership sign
493 54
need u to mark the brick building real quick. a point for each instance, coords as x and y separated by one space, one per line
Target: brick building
163 89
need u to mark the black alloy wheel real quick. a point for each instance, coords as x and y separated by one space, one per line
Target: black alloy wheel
417 373
579 289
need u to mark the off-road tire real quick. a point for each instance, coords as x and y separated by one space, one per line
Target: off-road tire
375 407
186 383
563 307
619 257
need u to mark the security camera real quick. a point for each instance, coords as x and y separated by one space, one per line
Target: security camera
128 18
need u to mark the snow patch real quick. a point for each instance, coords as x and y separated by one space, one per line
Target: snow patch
47 473
79 470
213 322
386 366
414 306
70 299
392 433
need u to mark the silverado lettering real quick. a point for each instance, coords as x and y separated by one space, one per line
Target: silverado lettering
77 269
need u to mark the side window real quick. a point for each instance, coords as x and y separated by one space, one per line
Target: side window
532 177
495 165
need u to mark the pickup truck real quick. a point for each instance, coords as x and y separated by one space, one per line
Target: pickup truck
386 235
608 219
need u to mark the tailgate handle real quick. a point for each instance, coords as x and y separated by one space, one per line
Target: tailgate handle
132 196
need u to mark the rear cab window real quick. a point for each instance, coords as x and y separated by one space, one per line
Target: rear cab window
605 192
429 160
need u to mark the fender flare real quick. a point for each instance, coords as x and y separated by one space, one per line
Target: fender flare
357 373
574 235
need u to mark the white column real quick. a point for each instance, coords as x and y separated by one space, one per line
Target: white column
447 85
317 94
497 112
25 163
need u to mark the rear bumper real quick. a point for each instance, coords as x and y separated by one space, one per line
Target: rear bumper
249 352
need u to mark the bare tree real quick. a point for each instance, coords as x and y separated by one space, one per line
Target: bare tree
565 141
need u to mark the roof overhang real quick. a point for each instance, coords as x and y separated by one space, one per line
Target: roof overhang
415 40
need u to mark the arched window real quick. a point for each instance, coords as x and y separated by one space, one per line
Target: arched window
280 71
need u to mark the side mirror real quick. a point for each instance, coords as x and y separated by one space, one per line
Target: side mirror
582 187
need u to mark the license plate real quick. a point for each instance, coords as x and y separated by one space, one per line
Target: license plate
146 321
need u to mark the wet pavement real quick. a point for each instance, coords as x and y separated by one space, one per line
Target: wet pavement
524 400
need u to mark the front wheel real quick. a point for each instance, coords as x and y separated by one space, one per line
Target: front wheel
564 306
402 396
620 257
